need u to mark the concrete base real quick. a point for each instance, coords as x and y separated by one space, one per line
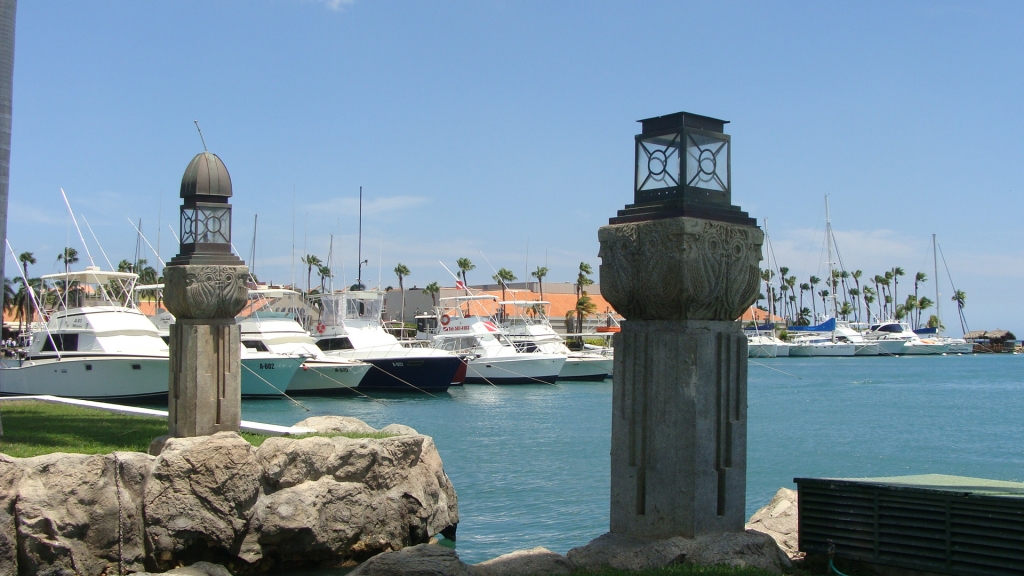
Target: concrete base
679 437
205 387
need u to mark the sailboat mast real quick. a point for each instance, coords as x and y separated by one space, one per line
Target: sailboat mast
828 242
359 268
935 263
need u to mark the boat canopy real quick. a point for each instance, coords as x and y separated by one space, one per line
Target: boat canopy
465 298
826 326
91 275
926 331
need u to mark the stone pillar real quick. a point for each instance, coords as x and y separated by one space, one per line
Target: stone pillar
205 380
679 407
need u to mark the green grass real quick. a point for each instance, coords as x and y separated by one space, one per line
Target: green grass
680 570
36 428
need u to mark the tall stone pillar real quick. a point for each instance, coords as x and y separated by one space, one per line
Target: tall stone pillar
205 286
681 265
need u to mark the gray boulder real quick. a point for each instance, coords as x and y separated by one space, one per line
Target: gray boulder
421 560
197 569
340 498
10 475
339 424
536 562
738 549
399 430
81 514
779 520
199 498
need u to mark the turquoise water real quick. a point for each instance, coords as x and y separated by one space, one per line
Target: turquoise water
530 463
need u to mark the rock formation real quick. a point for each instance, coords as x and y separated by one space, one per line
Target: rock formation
219 499
778 519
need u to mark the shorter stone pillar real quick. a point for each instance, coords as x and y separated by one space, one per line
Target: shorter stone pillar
205 286
680 387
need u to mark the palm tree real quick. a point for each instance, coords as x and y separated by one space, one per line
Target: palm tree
923 303
855 294
783 270
804 287
791 282
846 309
856 274
910 305
896 273
869 298
919 278
813 281
503 277
68 257
26 258
584 307
824 294
401 270
433 289
310 261
324 272
960 297
539 274
465 265
843 276
805 317
582 280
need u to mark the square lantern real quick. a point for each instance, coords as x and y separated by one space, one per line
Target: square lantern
683 168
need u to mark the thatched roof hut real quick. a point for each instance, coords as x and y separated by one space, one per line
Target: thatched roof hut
993 336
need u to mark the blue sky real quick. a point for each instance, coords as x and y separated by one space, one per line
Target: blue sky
506 129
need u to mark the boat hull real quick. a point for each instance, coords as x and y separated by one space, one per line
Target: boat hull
924 349
763 351
268 377
410 373
822 350
586 368
514 370
326 378
105 378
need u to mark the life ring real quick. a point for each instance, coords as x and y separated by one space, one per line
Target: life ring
445 319
320 327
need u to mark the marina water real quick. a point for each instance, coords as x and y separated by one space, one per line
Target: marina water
531 463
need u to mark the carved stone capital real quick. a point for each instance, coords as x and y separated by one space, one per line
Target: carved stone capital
680 268
205 292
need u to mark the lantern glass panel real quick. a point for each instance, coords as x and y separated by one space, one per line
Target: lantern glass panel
657 162
707 162
213 224
188 225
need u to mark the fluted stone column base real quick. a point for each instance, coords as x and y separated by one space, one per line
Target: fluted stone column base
205 378
679 437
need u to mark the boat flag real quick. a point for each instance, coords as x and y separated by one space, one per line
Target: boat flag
460 285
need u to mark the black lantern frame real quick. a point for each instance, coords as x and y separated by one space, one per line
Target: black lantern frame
683 167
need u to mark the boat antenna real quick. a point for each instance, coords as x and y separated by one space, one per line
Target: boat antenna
201 139
143 236
293 236
175 234
96 240
935 264
359 267
252 250
75 220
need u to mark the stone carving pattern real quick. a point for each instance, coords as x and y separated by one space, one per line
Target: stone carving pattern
680 268
205 292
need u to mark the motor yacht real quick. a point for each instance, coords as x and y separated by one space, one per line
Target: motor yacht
912 344
491 358
530 331
350 327
95 345
279 333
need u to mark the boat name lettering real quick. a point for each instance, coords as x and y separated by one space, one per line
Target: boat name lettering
266 366
341 369
454 328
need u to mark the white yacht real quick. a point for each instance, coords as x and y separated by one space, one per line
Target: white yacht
912 344
491 358
350 328
529 329
820 340
92 346
279 333
762 342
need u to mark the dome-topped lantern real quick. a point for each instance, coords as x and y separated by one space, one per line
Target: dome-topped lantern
205 213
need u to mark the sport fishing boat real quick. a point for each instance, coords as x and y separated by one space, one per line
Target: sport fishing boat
279 333
491 358
350 328
530 331
953 345
93 346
